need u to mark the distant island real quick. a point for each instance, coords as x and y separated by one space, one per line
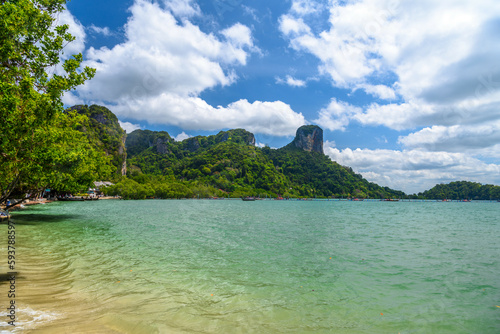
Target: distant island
151 164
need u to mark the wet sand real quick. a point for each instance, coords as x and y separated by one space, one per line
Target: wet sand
45 298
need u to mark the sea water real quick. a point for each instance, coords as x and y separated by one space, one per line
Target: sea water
228 266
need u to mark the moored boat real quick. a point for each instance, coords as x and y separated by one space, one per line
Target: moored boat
70 199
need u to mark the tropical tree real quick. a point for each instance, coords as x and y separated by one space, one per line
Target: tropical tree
39 145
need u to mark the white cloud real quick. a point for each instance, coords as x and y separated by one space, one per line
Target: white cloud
252 12
414 171
69 99
290 81
99 30
159 55
192 113
442 57
183 8
456 138
380 91
158 72
76 29
306 7
181 136
293 26
129 127
336 115
239 35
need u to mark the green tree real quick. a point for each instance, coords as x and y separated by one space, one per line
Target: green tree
31 111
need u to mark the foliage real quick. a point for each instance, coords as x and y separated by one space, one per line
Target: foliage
140 140
462 190
104 132
315 175
32 154
229 162
140 186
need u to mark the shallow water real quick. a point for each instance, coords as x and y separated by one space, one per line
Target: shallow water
256 267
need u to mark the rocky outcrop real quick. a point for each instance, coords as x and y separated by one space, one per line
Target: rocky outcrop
123 153
309 138
239 136
191 144
140 140
161 146
104 131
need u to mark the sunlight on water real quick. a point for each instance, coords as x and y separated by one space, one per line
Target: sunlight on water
257 267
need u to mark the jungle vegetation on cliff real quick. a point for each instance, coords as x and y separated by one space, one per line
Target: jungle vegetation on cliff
229 164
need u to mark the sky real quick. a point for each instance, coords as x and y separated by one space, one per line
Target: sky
406 92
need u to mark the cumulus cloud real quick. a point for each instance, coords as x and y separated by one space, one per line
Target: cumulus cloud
159 55
183 8
305 7
292 26
193 113
290 81
380 91
129 127
100 30
76 29
181 136
158 72
442 58
336 115
414 171
239 35
69 99
457 138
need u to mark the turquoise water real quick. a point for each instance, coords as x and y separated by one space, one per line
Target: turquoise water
260 267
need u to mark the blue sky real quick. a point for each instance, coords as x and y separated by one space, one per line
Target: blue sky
407 93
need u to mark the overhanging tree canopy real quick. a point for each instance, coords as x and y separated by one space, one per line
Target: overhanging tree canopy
39 144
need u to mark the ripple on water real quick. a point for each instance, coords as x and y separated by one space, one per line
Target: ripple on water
261 267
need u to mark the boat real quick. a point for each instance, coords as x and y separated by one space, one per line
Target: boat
391 200
248 199
71 199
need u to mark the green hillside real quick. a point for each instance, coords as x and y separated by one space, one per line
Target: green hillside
231 164
462 190
315 174
105 132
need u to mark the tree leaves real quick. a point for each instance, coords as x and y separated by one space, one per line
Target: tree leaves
38 145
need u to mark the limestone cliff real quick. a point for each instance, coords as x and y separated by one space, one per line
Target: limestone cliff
140 140
239 136
309 138
105 131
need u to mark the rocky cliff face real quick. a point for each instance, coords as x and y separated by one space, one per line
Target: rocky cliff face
240 136
140 140
309 138
191 144
123 153
105 132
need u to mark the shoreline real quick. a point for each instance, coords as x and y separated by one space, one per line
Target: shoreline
30 202
47 298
